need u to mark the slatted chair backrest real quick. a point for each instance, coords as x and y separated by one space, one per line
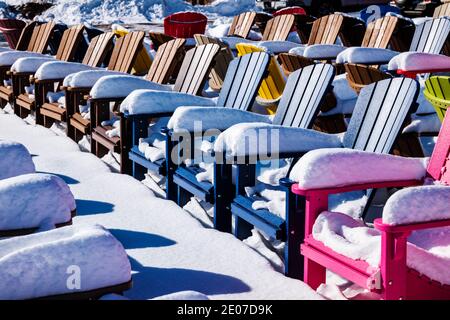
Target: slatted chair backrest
380 113
304 92
431 36
166 60
439 165
402 35
241 24
69 43
223 59
11 29
41 37
125 51
98 49
195 69
379 32
25 36
442 11
359 75
325 30
278 28
243 79
159 38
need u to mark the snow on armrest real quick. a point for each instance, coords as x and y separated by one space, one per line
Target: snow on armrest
364 55
8 58
59 69
233 41
255 139
122 86
277 46
152 101
34 200
298 50
418 204
323 51
417 61
87 79
91 248
221 118
14 160
329 168
29 64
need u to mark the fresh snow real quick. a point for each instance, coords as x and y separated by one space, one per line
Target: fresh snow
87 78
41 264
418 61
329 168
30 64
8 58
15 159
59 69
169 250
323 51
365 55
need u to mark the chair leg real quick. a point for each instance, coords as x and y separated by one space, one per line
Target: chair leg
241 228
138 171
223 193
183 197
314 273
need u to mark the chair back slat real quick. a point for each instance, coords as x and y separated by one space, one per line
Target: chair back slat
195 69
166 60
25 36
98 49
125 51
41 37
439 165
379 32
358 75
69 43
325 30
302 97
278 28
380 113
442 11
244 77
241 24
431 36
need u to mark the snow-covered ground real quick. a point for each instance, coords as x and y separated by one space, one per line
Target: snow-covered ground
170 251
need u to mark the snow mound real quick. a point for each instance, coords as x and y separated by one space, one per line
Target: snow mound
49 263
87 78
328 168
14 160
8 58
365 55
417 61
323 51
30 64
34 200
59 69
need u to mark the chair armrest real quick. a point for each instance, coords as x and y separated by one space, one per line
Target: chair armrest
323 51
141 102
199 119
362 55
276 47
258 140
412 63
59 70
87 78
113 86
29 64
335 168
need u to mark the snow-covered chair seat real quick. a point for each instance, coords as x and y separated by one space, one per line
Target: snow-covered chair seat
407 255
78 262
412 63
34 201
364 55
15 159
8 58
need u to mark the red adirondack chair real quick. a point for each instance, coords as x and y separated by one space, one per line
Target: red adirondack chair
393 279
11 29
185 24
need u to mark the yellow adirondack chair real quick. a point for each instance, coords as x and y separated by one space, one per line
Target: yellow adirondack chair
272 87
437 91
143 60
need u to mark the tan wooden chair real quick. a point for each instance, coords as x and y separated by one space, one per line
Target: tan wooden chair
242 24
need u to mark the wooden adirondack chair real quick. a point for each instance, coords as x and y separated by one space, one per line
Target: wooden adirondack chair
325 30
25 36
191 79
11 30
437 91
243 78
158 39
278 28
38 42
379 115
48 112
122 59
261 20
223 59
305 89
25 103
442 10
395 280
242 24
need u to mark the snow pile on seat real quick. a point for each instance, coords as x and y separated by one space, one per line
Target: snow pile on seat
329 168
14 160
428 251
34 200
154 146
59 69
365 55
299 50
30 64
8 58
152 101
252 139
42 264
122 85
323 51
198 118
277 46
418 204
87 78
417 61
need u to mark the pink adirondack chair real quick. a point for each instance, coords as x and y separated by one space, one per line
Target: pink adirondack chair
393 279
